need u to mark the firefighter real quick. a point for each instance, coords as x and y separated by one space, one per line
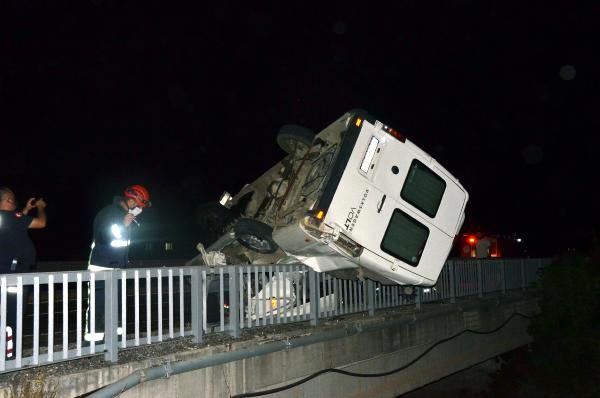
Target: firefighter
110 246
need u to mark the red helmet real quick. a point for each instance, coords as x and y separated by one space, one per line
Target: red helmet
139 194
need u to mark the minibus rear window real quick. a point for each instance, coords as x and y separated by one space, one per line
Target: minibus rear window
405 238
423 188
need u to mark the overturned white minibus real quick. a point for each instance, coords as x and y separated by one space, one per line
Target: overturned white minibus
357 199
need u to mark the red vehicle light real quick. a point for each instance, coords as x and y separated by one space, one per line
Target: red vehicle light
395 134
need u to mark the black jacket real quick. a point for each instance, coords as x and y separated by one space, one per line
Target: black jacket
111 237
15 243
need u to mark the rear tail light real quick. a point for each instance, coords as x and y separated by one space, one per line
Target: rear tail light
394 133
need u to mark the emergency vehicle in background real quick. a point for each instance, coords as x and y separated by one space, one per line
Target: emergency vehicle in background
499 245
358 200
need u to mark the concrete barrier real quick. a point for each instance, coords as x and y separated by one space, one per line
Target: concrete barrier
356 343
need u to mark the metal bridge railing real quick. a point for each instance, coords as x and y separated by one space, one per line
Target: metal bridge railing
160 303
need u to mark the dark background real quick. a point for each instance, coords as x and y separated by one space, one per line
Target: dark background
98 96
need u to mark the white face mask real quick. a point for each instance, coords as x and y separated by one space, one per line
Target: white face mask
136 211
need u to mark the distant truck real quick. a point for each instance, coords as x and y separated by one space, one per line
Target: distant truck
358 200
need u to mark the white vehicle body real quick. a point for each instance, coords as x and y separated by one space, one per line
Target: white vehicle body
361 197
278 298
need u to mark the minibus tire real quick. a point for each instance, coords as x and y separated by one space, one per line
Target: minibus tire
290 136
255 235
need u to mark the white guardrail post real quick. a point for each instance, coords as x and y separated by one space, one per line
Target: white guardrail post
371 296
3 325
314 297
197 306
111 317
234 316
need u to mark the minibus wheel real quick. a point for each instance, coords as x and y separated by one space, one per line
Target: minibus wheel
293 138
255 235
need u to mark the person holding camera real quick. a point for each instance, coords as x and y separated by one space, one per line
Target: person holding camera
17 252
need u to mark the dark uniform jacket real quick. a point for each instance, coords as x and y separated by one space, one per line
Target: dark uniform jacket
111 237
15 243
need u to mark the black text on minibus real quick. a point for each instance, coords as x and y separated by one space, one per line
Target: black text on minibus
355 212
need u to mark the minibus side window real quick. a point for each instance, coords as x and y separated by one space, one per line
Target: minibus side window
423 188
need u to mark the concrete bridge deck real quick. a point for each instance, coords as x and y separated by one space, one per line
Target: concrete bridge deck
274 356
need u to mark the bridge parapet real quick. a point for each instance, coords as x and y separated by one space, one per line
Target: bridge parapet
175 303
423 345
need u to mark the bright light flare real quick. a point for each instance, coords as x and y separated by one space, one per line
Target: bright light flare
116 231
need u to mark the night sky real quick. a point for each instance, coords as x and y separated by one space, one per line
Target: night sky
188 103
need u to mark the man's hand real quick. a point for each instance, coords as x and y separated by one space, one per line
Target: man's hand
40 220
28 206
128 219
40 203
33 203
